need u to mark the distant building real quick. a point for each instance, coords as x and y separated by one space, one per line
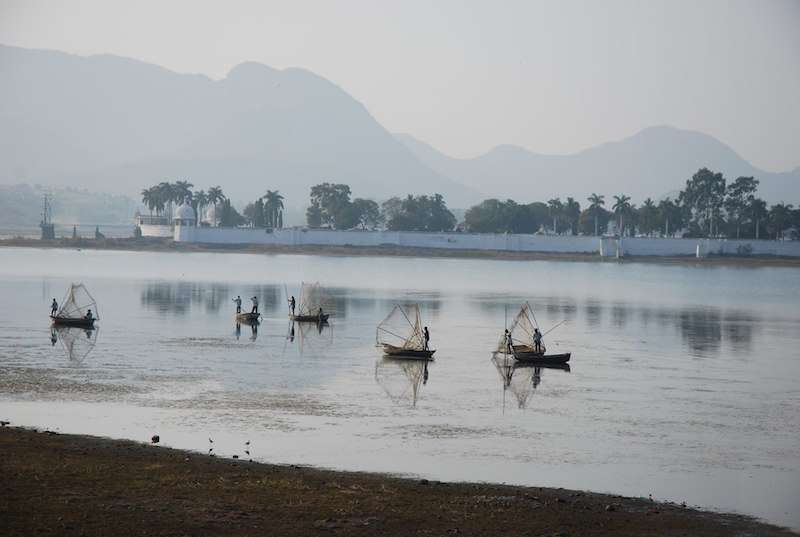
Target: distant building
153 225
184 216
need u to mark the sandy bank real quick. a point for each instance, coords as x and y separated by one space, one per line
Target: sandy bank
55 484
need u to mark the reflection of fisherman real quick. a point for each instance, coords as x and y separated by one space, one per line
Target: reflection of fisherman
509 344
537 340
425 373
238 330
53 337
255 305
292 305
427 336
88 315
53 308
238 302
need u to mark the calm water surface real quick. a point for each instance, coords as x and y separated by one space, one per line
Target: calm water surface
684 382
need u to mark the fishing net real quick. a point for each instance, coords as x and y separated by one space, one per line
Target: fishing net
402 328
313 338
77 342
401 379
77 303
312 298
521 329
520 381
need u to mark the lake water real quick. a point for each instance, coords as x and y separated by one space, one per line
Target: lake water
684 380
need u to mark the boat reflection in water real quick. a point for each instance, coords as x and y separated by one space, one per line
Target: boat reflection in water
521 379
77 342
311 337
401 379
253 324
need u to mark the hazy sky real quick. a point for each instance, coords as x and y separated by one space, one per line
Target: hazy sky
554 77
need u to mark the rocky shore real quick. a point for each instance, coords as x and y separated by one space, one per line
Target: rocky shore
65 485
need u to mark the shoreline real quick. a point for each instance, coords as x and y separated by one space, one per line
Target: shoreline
83 485
168 245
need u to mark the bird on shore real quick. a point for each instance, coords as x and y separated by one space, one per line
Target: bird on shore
155 439
210 440
4 423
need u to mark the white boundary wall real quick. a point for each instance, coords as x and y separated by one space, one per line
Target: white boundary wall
154 230
457 241
483 241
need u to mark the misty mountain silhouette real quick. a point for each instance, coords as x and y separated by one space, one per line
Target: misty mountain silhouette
119 125
654 162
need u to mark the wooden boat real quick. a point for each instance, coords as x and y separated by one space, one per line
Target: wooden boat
391 350
75 306
73 321
312 300
310 318
522 333
401 335
526 354
247 317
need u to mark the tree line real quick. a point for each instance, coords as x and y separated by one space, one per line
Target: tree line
708 206
162 197
332 207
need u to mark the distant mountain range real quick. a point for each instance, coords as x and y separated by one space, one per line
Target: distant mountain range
119 125
655 162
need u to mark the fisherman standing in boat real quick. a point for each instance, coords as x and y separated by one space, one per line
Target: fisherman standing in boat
509 342
292 305
427 336
255 305
238 302
53 308
319 315
537 341
88 315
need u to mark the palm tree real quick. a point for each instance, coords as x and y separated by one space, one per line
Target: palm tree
166 193
621 207
149 199
647 216
572 210
758 208
182 191
556 208
273 207
666 208
595 203
215 196
199 200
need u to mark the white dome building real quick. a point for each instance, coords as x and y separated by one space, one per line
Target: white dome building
184 215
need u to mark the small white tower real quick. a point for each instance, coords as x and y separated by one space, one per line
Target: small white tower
184 215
